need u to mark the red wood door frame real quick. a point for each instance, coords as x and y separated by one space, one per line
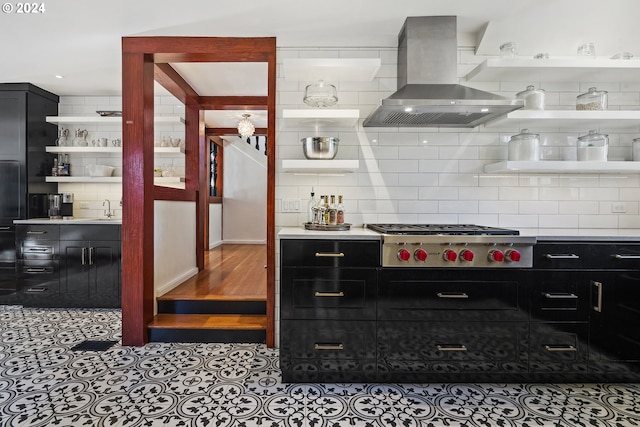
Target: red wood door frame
145 59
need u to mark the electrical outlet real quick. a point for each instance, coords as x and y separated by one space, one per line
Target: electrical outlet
618 208
84 205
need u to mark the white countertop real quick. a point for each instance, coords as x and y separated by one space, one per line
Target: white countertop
542 234
355 233
112 221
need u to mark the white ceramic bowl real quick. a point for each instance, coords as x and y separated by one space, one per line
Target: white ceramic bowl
100 170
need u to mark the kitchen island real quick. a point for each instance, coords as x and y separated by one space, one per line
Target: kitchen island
570 317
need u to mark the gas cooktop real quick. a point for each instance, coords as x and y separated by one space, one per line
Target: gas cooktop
442 229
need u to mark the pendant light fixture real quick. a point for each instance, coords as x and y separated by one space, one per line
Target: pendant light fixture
245 127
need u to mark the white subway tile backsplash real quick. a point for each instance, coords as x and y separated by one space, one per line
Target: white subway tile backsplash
519 193
498 207
598 194
578 207
598 221
538 207
458 206
399 165
555 221
418 207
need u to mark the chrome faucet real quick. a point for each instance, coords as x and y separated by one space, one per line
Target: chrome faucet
107 212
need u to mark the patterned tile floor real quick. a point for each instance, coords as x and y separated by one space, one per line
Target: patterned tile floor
43 382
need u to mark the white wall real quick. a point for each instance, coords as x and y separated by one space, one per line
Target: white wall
215 225
431 175
244 218
174 244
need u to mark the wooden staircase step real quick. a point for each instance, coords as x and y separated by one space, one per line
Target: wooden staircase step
211 306
227 328
209 321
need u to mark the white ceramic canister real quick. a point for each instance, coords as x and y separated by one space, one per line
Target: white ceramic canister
524 146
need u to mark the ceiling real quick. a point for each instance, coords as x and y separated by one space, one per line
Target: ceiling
81 40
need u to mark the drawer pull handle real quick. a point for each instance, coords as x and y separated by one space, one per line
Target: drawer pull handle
561 256
334 255
5 228
598 306
560 348
329 294
38 250
452 295
318 346
449 347
35 290
626 256
36 270
560 296
36 232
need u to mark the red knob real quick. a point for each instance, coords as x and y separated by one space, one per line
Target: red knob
404 255
450 255
466 255
420 255
512 256
496 256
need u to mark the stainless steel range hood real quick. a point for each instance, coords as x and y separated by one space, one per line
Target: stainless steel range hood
427 77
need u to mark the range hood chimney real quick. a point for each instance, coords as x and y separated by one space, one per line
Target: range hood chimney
428 94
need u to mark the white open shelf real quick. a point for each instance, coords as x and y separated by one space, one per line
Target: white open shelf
568 119
563 166
70 150
320 118
109 179
108 120
531 70
319 166
331 69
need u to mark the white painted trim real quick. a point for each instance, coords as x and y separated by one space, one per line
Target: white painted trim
246 242
215 244
163 289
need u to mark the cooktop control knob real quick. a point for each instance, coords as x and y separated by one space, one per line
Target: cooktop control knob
496 256
420 255
450 255
404 255
512 255
466 255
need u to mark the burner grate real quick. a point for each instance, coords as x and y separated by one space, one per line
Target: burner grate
444 229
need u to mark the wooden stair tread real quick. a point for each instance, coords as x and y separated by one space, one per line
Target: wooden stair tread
209 321
229 298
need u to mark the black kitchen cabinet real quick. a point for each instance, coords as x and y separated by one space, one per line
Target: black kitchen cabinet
595 290
90 265
327 310
24 163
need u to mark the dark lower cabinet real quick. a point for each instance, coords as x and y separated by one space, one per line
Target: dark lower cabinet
90 273
451 351
70 265
574 317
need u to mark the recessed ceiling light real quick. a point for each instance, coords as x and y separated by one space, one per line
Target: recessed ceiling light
58 76
408 109
484 110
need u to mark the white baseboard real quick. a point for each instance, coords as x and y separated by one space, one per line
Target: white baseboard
163 289
215 244
245 242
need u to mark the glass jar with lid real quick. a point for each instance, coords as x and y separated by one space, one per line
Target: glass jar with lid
533 98
524 146
594 99
593 147
508 50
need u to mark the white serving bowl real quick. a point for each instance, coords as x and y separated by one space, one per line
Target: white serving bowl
100 170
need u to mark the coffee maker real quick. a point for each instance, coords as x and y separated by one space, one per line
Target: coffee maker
61 206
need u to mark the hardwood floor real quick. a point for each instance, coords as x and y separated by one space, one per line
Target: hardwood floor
225 302
232 272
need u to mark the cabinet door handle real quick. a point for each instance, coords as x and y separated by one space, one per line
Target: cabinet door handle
36 270
449 347
559 296
91 253
36 232
5 228
334 255
598 306
35 290
561 256
84 256
452 295
38 250
626 256
326 346
329 294
560 348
